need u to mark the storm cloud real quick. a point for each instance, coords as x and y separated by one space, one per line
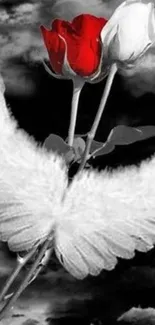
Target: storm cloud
21 44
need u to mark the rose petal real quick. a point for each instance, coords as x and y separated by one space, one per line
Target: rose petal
129 31
83 48
88 26
82 58
55 48
62 27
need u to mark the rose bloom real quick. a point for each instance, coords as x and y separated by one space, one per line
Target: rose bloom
130 31
77 42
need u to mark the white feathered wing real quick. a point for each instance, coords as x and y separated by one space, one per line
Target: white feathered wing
100 217
32 181
105 216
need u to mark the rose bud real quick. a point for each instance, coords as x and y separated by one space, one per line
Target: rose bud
129 33
75 52
74 48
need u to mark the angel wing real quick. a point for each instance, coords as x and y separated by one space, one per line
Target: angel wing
99 217
32 181
104 216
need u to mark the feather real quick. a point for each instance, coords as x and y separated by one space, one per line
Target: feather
105 216
98 218
29 186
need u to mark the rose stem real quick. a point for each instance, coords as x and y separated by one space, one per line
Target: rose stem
20 263
77 87
43 263
97 119
27 278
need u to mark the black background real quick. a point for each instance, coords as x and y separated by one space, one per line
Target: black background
47 110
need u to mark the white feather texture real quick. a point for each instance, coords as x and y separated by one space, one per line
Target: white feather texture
32 181
105 216
99 217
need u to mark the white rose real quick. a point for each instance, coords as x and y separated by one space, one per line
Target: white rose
130 31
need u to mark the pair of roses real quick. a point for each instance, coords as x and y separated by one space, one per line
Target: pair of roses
90 48
84 240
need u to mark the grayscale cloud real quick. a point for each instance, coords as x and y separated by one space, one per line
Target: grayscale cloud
20 39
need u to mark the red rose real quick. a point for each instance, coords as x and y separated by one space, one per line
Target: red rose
82 37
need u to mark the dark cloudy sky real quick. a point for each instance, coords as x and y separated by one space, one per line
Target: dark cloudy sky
20 39
28 87
21 54
32 94
21 46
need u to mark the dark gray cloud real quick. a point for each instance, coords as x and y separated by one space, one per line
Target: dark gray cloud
19 25
20 38
71 8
